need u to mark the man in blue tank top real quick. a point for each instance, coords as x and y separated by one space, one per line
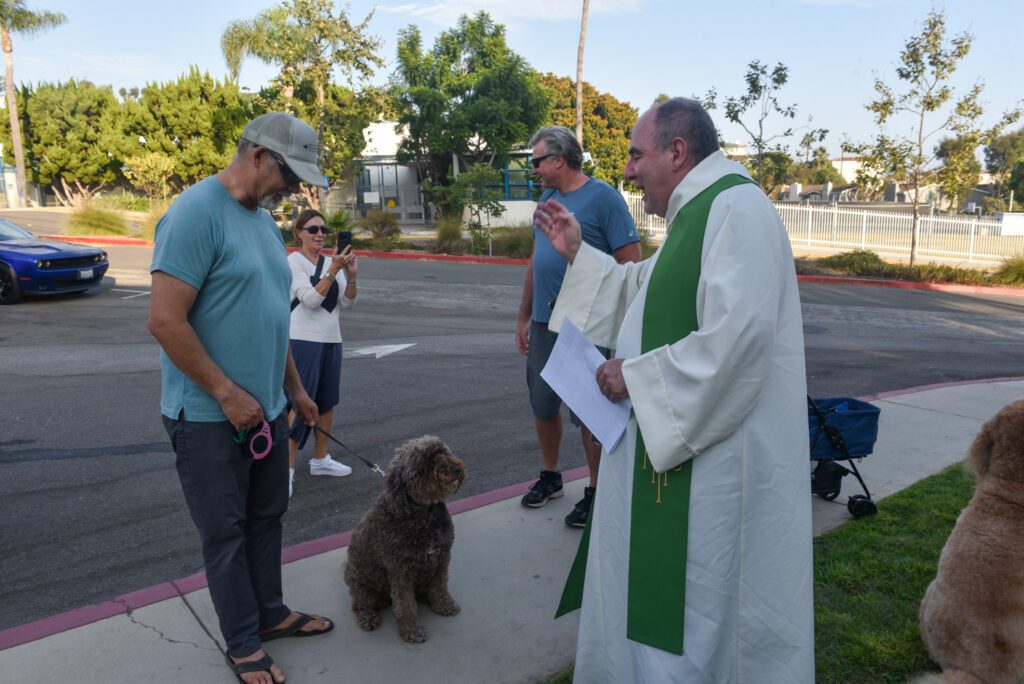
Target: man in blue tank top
557 160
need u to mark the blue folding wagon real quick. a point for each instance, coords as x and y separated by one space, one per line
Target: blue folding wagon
841 429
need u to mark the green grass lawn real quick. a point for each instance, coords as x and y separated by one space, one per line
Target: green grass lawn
869 578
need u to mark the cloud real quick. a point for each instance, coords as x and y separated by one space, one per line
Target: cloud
447 12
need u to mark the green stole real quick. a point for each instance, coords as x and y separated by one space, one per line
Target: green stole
660 513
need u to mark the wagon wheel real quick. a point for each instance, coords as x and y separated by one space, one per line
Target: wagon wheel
10 290
861 506
829 496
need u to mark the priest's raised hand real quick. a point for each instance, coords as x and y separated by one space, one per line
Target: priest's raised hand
561 227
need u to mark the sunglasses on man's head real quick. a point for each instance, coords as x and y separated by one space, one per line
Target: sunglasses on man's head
313 230
286 172
535 162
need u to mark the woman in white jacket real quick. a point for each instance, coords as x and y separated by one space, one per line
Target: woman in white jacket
322 285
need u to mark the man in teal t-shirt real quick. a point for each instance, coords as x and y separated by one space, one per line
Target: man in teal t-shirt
607 225
220 311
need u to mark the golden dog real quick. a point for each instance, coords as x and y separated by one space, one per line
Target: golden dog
972 616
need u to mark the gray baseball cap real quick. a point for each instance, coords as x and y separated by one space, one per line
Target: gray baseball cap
293 139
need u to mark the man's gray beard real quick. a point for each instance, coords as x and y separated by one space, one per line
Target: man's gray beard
269 203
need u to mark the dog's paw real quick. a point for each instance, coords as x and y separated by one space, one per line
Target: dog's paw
414 635
447 607
368 619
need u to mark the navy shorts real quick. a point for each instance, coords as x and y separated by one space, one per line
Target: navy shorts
543 400
319 366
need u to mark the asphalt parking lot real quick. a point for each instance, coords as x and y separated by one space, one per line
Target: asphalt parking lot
89 502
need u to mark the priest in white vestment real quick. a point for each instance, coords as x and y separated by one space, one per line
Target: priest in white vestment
722 588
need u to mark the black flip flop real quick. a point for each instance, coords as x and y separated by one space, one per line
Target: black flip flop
295 628
261 665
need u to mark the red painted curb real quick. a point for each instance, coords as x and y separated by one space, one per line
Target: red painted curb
89 240
906 285
939 385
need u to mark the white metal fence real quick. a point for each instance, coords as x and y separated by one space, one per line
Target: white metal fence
830 229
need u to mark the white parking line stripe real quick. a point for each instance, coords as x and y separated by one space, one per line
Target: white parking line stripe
135 293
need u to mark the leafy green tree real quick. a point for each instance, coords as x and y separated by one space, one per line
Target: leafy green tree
927 63
73 131
607 124
959 171
1015 184
772 169
343 116
817 171
149 172
471 99
1002 154
761 99
311 44
195 121
815 135
16 18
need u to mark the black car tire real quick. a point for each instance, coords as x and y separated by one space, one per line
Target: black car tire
10 290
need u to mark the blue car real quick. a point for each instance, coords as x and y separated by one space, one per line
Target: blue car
31 266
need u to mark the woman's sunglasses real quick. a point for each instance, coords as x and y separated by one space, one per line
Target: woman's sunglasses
313 230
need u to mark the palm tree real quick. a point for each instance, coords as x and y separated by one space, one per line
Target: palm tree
579 73
16 18
269 38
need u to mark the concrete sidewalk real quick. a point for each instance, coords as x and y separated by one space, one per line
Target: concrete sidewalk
507 571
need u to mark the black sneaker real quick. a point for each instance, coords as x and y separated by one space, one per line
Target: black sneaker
549 486
578 517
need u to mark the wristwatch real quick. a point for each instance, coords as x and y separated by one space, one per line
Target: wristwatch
329 276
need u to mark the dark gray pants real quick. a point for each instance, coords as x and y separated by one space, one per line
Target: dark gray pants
236 504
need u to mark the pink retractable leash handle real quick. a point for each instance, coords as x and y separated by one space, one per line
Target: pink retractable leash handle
260 442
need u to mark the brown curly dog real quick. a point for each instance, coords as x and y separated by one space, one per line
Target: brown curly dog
401 547
972 616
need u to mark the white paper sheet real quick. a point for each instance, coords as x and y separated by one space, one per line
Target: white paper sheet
571 372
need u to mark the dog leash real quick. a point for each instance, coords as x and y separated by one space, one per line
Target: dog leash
372 466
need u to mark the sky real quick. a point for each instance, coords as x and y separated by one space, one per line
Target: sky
635 49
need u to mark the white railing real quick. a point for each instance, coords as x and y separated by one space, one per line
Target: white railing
831 229
649 222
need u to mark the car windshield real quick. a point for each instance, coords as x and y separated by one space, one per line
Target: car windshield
9 231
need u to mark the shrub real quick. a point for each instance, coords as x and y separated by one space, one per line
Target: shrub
857 262
288 235
449 236
383 226
124 201
515 242
647 246
479 240
340 221
147 229
92 219
1011 271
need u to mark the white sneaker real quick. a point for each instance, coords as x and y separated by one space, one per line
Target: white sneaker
291 481
328 466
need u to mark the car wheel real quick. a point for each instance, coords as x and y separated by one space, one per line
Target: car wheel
10 290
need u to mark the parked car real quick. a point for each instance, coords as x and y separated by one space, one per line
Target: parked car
32 266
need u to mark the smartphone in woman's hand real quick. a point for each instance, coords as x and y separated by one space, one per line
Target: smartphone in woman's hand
344 240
